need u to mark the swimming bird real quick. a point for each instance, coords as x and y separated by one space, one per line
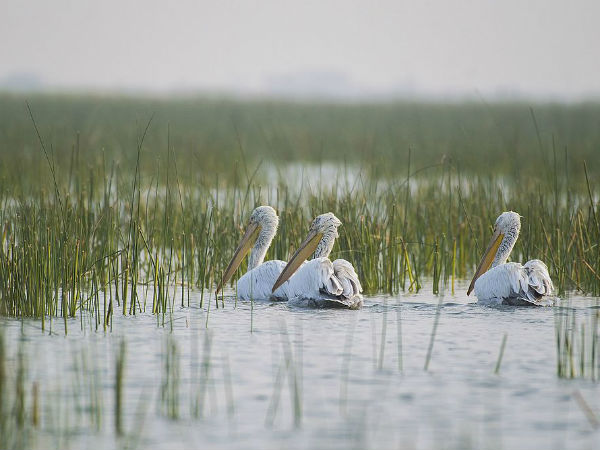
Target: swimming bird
510 283
257 282
320 282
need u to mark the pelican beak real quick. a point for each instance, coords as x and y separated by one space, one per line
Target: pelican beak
242 250
487 259
307 247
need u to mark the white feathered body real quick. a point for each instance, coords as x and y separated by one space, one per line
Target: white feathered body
323 283
516 284
256 284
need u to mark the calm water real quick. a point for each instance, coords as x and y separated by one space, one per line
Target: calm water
270 376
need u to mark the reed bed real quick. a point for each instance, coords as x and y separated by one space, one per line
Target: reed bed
134 228
57 259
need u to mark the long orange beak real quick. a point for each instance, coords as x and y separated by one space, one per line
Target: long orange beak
487 259
307 247
242 250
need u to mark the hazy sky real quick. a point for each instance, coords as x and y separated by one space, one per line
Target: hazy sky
539 47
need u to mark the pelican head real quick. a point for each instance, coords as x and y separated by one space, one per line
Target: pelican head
261 228
319 242
506 232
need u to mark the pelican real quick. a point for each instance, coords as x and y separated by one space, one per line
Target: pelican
320 282
510 283
257 282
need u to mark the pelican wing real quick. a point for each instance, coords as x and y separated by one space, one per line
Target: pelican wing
516 284
312 278
321 283
347 277
536 283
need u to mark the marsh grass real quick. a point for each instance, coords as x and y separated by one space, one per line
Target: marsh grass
46 412
121 206
90 225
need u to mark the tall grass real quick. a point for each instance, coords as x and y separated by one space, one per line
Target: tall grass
100 203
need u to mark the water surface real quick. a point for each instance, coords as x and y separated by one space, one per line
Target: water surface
267 375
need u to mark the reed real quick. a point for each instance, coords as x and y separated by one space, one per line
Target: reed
94 208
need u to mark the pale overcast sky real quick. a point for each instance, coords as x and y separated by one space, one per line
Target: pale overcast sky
473 47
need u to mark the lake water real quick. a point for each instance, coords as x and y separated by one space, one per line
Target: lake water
269 376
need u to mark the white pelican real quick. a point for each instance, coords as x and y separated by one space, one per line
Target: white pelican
510 283
320 282
256 284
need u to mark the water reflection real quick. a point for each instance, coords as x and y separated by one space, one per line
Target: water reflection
266 375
